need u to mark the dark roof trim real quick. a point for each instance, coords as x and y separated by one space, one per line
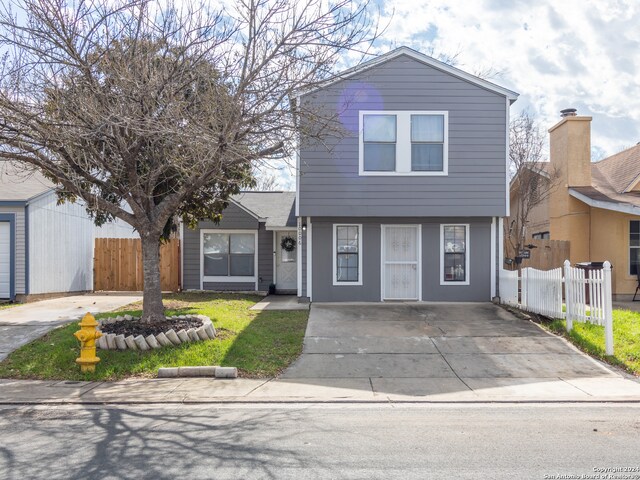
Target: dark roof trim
13 203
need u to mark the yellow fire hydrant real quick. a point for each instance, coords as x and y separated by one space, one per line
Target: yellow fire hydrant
88 334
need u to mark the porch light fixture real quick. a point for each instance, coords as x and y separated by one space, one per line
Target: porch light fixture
304 227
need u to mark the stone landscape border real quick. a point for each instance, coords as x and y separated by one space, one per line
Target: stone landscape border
111 341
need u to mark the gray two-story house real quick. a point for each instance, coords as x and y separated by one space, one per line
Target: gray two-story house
404 202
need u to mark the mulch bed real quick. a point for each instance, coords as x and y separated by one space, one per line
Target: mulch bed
135 327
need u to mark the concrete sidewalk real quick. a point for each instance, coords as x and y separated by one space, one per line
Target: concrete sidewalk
21 324
205 390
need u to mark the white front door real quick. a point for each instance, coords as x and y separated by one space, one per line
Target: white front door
286 262
400 262
5 259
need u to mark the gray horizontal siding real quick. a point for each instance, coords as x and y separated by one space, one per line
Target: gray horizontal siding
234 218
265 258
479 288
230 286
476 184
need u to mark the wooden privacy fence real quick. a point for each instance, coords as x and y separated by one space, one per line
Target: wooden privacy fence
548 254
587 295
117 265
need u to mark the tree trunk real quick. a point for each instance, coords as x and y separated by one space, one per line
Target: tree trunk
152 308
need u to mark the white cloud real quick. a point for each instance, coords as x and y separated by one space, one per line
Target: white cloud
575 53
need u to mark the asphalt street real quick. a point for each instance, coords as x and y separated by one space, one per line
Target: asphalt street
294 441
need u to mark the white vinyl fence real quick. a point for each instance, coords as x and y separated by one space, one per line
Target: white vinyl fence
542 291
509 287
587 295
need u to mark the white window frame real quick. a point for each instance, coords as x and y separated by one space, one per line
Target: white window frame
235 279
336 283
467 253
632 275
403 143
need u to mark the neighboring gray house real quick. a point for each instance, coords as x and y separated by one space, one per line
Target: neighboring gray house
406 205
45 248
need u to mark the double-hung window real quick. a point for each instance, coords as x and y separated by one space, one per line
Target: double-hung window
454 251
427 143
379 143
228 256
634 247
347 248
403 143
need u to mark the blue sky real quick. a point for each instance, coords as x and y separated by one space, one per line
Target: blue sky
574 53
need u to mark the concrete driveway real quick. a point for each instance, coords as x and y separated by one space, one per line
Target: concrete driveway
444 350
23 323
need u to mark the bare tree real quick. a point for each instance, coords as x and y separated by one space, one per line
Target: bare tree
264 178
148 110
532 179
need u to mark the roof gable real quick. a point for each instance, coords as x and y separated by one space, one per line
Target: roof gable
422 58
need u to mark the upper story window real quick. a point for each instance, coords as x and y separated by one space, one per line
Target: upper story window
403 143
379 137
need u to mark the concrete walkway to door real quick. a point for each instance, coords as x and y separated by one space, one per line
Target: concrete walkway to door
444 351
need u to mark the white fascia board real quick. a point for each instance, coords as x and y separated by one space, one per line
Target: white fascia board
432 62
616 207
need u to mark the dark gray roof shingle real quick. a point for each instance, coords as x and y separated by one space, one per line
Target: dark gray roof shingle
278 208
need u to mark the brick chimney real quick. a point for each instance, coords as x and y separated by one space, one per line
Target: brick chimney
570 151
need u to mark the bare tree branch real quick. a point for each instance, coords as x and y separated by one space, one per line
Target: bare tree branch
151 110
532 179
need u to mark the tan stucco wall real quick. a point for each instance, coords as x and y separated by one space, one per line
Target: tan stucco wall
610 241
538 220
570 220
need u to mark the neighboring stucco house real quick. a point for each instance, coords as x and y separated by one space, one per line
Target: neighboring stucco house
45 248
406 204
597 205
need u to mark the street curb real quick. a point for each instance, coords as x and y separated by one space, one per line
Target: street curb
244 401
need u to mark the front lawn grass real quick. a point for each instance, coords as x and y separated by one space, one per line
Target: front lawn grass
590 339
260 344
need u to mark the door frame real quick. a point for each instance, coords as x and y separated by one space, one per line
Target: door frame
418 228
291 230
